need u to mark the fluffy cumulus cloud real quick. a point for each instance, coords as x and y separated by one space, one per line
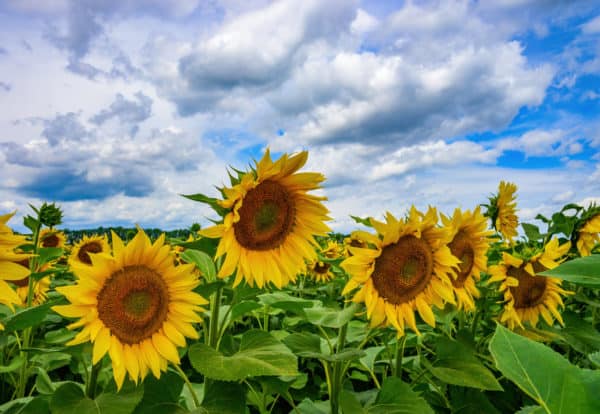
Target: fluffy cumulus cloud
419 102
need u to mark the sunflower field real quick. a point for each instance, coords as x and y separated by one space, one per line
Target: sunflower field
269 311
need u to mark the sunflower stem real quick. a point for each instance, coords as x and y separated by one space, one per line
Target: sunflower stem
399 356
188 384
213 332
90 389
338 372
27 333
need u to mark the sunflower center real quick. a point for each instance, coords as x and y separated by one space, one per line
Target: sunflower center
461 247
91 247
321 268
531 289
403 270
50 240
267 216
133 303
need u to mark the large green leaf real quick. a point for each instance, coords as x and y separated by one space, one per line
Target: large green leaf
397 397
544 375
329 317
161 395
202 261
69 398
457 365
259 354
584 271
28 317
580 334
284 301
470 401
223 398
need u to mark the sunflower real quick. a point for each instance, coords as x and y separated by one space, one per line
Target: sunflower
136 305
88 244
406 267
588 236
52 238
468 233
40 287
527 295
504 206
352 241
333 250
320 271
268 231
10 269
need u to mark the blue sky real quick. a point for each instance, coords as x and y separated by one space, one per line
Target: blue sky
114 108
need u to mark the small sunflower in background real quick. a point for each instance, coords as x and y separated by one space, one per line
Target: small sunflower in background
502 211
333 250
88 244
40 287
137 306
527 295
320 271
268 232
10 269
588 236
352 241
52 238
469 243
406 268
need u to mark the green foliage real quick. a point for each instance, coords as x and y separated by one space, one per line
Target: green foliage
544 375
584 271
259 354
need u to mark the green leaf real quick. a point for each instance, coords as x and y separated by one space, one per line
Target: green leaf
348 354
595 358
303 342
70 399
14 364
532 231
259 354
47 254
282 300
123 402
364 221
350 404
531 409
397 397
581 335
203 244
224 398
202 261
28 317
457 365
329 317
308 406
583 271
242 308
470 401
161 395
211 201
370 356
207 289
545 375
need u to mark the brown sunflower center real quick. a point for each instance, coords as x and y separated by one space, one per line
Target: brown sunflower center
51 240
267 217
531 289
91 247
403 270
462 248
321 268
133 303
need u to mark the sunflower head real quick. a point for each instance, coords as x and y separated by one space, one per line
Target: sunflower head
352 241
9 262
40 287
587 233
270 222
502 211
135 305
527 295
406 267
469 243
80 254
333 250
52 238
320 271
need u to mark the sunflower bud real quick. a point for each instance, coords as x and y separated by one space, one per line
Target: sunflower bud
50 215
